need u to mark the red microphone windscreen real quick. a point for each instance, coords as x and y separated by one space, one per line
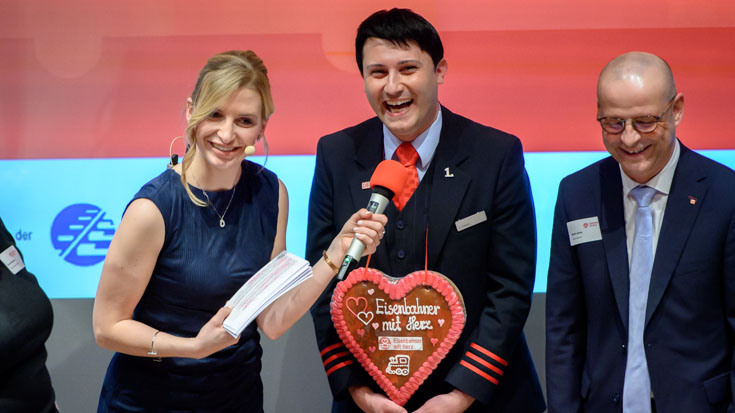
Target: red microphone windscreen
389 174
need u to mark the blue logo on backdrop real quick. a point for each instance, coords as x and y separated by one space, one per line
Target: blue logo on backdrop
81 234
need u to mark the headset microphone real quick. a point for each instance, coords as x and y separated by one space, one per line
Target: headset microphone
388 179
174 158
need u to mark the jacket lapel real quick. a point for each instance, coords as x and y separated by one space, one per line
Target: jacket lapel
612 225
368 154
447 188
689 182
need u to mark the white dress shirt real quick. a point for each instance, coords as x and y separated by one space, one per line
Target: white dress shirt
425 144
662 184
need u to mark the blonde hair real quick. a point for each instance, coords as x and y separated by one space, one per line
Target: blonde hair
223 74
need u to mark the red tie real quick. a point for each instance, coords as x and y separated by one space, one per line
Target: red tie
407 156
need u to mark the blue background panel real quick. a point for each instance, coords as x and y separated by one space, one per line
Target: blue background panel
36 192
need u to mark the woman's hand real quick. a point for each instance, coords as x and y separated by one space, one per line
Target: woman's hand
213 337
363 225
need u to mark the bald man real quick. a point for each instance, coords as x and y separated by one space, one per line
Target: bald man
640 305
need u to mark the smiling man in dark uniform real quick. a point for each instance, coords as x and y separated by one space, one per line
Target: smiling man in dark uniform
469 188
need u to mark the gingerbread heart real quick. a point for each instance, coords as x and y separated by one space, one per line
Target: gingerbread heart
398 329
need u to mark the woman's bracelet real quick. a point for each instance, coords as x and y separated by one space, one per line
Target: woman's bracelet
330 263
153 352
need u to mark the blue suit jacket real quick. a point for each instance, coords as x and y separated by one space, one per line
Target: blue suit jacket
492 263
690 315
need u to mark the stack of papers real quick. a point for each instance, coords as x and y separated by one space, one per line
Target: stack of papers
280 275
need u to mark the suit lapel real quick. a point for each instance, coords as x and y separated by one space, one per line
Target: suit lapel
446 193
447 188
689 182
612 225
368 154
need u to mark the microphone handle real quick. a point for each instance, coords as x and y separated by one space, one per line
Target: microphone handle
379 200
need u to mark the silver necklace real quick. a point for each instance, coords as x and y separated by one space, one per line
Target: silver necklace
221 217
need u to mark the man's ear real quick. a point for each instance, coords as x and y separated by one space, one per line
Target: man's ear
678 108
441 70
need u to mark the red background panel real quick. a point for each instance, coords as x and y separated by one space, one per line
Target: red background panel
83 79
541 85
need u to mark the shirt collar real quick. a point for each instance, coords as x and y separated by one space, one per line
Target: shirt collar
662 181
425 144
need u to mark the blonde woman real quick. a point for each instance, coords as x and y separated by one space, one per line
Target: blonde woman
188 240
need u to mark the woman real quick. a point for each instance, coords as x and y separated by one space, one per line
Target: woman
188 240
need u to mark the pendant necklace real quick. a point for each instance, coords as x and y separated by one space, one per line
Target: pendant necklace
221 217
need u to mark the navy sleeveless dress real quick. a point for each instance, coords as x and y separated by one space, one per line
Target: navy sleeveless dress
199 268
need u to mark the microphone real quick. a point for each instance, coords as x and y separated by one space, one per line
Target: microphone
388 179
173 158
249 150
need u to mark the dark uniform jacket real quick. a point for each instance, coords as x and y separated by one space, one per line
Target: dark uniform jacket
475 169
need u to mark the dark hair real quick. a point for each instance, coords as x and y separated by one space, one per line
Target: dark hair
399 26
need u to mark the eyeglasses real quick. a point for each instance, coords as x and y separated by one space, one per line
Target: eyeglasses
643 124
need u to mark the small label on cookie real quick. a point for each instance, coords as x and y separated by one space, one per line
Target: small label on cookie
400 343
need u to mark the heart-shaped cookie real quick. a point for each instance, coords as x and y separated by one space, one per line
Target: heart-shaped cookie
398 329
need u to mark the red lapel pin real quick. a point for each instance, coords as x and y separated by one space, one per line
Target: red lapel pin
366 185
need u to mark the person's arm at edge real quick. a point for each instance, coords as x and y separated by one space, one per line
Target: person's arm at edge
729 281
